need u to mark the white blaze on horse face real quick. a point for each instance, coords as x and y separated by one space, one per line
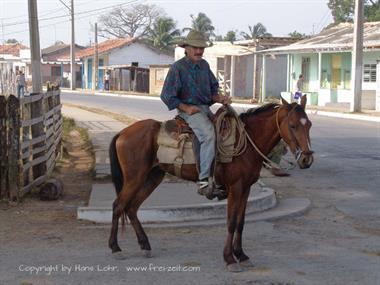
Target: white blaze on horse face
303 121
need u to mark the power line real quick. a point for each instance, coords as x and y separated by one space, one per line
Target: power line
89 13
79 13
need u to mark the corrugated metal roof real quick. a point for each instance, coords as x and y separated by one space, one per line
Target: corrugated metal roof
227 48
339 37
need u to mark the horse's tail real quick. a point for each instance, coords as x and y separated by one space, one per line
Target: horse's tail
116 174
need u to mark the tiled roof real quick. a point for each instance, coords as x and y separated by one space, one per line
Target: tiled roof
339 37
105 46
13 49
57 47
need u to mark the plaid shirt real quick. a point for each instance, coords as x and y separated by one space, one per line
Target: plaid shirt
189 83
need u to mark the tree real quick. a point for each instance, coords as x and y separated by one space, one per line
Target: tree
258 30
343 10
203 24
163 33
134 21
296 35
12 41
230 36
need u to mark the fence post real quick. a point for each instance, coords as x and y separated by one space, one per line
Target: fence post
13 147
37 131
3 147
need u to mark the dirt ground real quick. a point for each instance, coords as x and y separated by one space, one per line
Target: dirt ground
324 246
51 219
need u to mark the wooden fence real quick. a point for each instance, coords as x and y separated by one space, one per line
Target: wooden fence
30 137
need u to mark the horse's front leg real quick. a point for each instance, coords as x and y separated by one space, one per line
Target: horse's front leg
232 214
237 244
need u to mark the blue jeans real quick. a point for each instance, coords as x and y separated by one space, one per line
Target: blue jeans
204 130
20 91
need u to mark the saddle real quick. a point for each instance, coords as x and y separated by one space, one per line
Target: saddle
176 141
178 144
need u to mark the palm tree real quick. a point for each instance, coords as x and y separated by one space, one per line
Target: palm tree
163 33
258 30
203 24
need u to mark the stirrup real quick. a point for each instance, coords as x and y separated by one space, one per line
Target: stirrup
205 189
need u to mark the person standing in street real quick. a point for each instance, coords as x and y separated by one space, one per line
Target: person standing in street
20 81
107 80
299 88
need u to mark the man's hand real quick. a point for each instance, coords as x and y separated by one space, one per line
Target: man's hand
188 109
225 100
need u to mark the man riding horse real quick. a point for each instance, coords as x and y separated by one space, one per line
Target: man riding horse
191 88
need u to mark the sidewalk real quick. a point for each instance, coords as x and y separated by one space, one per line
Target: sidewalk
173 204
366 115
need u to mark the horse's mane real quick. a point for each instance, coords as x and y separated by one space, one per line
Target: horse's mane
259 110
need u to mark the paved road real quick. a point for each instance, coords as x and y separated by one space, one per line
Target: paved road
338 241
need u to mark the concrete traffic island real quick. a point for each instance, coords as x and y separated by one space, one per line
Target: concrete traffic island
178 204
172 202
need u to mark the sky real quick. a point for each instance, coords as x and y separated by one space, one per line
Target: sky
280 17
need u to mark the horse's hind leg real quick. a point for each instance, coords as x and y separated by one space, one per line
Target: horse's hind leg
112 242
154 178
237 244
125 196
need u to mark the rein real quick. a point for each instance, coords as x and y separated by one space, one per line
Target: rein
243 136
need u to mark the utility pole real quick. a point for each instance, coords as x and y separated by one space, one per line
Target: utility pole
357 58
72 48
96 60
35 50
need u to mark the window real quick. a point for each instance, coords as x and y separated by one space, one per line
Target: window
55 71
325 79
160 75
369 73
347 79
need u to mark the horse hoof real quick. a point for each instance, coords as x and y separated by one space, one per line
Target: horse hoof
119 255
234 267
246 263
147 253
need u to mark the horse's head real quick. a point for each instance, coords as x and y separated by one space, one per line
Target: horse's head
294 127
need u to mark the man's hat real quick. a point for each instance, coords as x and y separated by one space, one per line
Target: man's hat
194 39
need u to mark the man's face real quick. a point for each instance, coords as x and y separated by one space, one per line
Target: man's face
194 53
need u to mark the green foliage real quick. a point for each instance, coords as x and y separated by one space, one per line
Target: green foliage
12 41
163 33
230 36
343 10
258 30
203 24
297 35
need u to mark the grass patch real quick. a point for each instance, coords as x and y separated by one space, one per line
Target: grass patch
70 126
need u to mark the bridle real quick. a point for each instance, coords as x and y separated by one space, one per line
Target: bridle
298 151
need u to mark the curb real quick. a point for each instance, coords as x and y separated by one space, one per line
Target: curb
248 106
287 208
265 199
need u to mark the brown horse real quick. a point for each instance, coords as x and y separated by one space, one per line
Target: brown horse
136 171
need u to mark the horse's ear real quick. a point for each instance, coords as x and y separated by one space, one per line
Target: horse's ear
303 101
284 102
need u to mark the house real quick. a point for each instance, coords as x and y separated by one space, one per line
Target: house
272 65
56 64
128 59
14 57
325 62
